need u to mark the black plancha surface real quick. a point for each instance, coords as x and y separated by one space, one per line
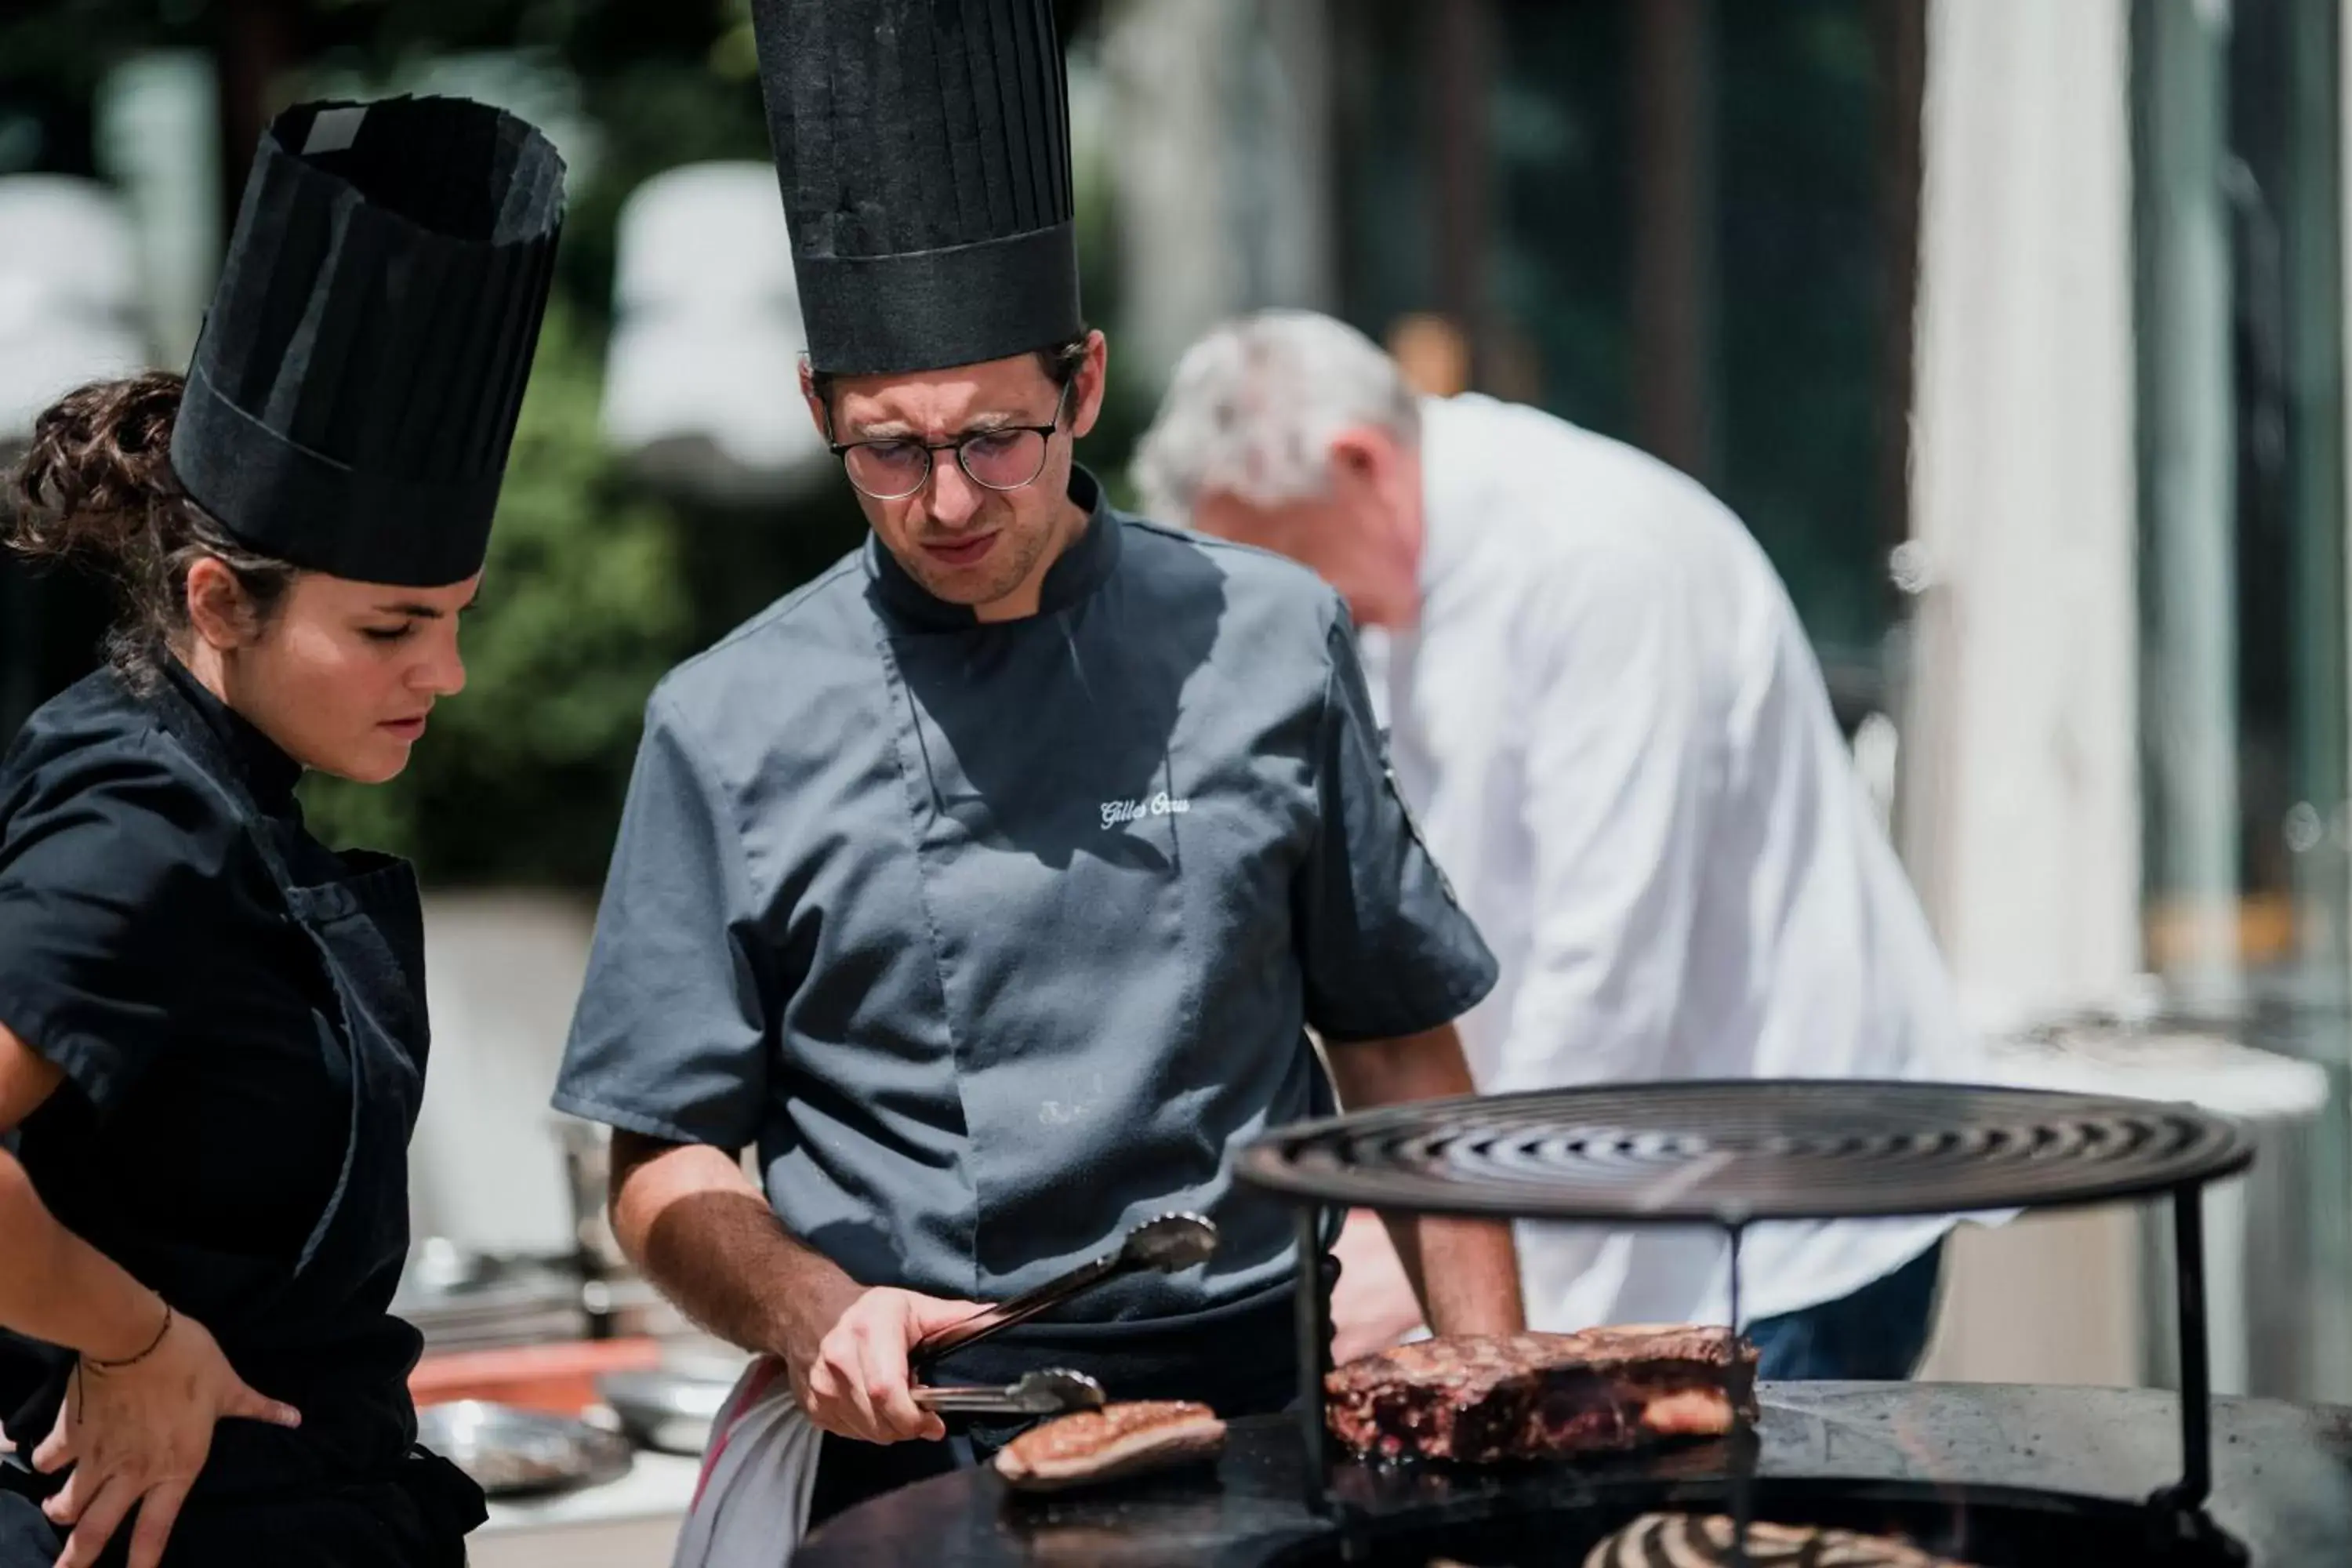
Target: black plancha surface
2282 1481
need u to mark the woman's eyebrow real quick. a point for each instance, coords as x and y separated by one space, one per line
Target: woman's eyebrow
425 612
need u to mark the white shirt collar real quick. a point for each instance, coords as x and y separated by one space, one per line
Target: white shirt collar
1457 478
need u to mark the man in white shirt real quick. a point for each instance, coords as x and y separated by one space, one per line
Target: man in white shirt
1617 740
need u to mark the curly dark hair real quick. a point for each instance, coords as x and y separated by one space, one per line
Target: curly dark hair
95 489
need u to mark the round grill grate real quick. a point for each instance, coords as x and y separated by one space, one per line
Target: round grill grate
1752 1150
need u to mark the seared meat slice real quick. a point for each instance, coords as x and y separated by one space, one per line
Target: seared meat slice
1104 1444
1480 1399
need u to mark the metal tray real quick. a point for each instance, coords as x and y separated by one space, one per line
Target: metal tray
511 1452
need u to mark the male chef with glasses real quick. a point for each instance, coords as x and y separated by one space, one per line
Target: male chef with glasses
989 885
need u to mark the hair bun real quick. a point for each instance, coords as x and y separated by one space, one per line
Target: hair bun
96 488
89 485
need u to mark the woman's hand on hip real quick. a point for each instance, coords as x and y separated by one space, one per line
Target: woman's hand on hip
856 1382
136 1434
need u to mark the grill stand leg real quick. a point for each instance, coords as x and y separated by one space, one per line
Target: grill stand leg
1743 1445
2196 1383
2181 1508
1313 1318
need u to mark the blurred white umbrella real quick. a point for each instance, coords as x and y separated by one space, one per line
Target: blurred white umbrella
702 385
68 294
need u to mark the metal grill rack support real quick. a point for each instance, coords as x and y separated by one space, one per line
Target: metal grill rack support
1731 1154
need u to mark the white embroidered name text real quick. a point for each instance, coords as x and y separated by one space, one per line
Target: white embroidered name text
1115 812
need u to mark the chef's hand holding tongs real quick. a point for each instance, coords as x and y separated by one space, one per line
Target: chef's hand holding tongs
1166 1244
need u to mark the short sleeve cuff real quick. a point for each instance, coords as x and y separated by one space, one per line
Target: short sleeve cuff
1464 990
644 1123
93 1067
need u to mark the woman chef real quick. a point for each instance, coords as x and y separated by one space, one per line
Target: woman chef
211 1028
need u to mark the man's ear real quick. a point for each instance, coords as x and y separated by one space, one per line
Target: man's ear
1361 457
818 412
1093 382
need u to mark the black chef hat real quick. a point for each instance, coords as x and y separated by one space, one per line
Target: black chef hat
924 151
351 400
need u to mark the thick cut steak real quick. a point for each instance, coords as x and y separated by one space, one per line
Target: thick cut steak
1116 1441
1694 1541
1516 1397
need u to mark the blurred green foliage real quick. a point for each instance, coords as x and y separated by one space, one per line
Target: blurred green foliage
583 606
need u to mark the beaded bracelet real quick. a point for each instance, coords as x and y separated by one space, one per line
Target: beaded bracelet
94 1364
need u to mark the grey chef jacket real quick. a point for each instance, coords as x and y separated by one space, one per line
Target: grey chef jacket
998 938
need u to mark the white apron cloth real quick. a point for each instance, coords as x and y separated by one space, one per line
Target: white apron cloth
751 1503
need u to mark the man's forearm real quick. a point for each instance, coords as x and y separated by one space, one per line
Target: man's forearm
695 1227
1466 1271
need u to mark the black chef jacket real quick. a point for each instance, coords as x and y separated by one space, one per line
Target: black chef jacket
147 951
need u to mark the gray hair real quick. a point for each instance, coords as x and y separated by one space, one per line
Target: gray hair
1252 408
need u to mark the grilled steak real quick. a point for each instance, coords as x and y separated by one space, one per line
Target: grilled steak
1480 1399
1104 1444
1691 1540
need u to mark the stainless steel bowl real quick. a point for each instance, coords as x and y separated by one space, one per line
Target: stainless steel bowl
511 1452
668 1411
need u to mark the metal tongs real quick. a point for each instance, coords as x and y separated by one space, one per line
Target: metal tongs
1170 1242
1056 1391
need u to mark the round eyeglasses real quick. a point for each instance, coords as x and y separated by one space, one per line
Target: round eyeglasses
1003 459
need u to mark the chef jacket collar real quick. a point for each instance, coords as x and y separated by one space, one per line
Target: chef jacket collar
1450 477
266 768
1078 572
